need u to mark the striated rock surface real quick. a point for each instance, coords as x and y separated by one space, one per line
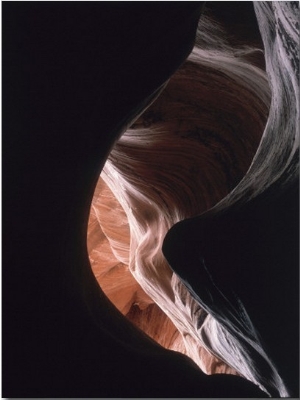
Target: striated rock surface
222 132
108 240
182 156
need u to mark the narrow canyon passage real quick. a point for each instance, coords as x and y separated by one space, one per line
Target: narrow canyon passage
179 122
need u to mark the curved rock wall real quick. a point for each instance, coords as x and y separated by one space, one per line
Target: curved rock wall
186 152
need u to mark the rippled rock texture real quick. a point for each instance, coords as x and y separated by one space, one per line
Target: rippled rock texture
220 143
109 246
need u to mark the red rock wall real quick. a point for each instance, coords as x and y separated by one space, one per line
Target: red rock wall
108 240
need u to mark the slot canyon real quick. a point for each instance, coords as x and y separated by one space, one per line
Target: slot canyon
150 199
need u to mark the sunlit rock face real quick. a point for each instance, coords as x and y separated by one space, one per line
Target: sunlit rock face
109 248
205 144
109 241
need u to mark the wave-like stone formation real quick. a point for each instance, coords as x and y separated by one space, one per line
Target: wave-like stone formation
223 131
109 248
